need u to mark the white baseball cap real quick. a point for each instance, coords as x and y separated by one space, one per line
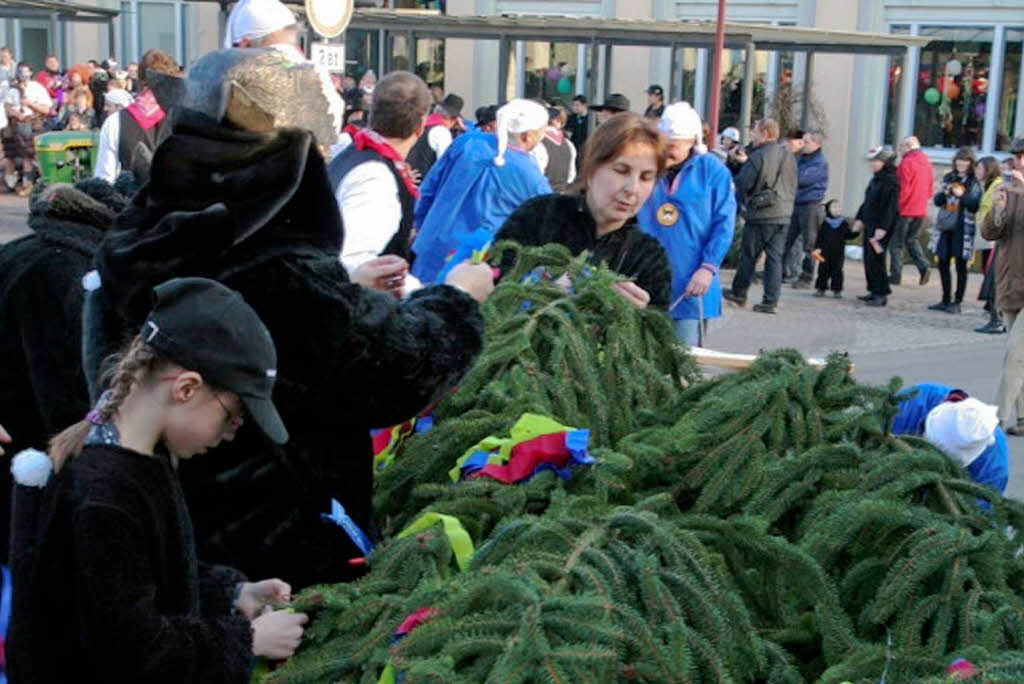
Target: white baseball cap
731 133
962 429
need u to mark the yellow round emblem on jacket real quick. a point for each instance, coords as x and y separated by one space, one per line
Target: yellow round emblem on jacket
667 214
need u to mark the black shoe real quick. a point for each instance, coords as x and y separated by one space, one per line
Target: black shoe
894 280
819 293
993 327
875 301
729 296
941 306
802 285
953 308
837 295
865 298
764 308
926 274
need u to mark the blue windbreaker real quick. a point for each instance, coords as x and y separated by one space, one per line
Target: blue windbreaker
992 468
466 190
705 217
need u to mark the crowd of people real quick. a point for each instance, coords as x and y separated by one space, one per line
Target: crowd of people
35 99
305 256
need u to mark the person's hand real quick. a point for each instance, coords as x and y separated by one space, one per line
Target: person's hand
633 293
858 226
385 274
4 439
416 176
276 635
700 283
255 595
879 234
476 280
741 156
999 198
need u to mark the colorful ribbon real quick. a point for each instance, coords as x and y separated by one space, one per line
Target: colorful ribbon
458 538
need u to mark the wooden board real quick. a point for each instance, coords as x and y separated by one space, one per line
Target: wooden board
731 361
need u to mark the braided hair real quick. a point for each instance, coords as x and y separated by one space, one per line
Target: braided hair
137 364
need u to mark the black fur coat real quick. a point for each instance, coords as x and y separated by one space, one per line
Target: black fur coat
256 212
42 390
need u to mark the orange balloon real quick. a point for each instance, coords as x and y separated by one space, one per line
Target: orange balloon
952 90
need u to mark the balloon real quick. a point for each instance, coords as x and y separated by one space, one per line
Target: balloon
952 90
980 86
564 86
931 96
953 67
979 110
553 74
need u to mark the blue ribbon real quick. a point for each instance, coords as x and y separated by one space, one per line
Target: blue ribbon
339 517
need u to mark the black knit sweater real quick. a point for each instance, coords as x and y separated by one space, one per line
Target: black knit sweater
106 583
566 220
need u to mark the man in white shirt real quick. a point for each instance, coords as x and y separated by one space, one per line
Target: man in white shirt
27 104
374 187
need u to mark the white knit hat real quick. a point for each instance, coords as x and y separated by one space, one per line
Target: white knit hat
962 429
255 19
680 121
119 97
518 116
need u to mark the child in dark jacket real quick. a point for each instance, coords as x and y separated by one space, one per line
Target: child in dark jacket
830 250
106 582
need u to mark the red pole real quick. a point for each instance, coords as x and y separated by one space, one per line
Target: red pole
716 70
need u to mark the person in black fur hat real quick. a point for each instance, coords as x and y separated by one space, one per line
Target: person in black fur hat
236 196
42 389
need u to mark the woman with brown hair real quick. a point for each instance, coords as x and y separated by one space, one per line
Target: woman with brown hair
989 175
622 160
953 240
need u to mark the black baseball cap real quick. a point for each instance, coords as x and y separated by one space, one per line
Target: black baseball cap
208 328
656 90
616 102
452 105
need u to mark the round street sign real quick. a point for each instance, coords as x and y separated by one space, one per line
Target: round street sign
329 18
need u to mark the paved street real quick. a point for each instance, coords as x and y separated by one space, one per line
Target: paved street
901 339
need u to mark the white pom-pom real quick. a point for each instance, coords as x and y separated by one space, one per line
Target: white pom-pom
91 280
31 468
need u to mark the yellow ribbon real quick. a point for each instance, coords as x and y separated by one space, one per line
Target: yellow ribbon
458 538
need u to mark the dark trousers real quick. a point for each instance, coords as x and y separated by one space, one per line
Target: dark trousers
800 239
946 277
907 234
831 270
874 267
769 238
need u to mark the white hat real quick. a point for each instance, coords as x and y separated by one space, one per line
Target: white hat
255 19
680 121
962 429
731 133
119 97
518 116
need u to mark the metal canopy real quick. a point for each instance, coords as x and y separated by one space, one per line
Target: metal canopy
632 32
68 10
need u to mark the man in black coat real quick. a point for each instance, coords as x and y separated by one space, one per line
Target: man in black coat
255 211
42 390
876 220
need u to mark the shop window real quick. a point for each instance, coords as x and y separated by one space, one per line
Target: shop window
361 52
550 71
894 82
1009 102
952 86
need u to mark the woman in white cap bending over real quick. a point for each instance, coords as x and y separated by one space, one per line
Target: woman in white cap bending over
692 213
622 162
477 183
964 428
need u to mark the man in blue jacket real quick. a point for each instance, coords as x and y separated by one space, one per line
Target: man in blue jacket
477 183
812 182
692 213
964 428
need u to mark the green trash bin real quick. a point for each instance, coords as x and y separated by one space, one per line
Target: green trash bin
66 156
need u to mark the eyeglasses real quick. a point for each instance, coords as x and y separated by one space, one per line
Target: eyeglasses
231 418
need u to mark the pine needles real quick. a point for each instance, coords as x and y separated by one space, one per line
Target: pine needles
760 526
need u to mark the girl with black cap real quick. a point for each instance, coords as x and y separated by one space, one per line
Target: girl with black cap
103 557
